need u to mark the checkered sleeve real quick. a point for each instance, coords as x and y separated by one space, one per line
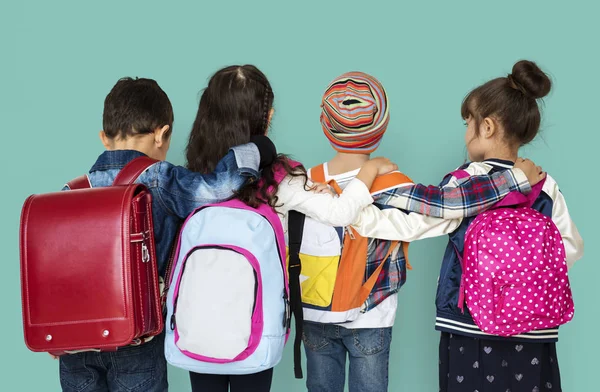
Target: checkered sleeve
455 198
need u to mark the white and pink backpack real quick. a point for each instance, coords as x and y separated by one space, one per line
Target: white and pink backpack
514 276
229 295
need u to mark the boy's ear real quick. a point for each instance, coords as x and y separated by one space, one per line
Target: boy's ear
106 141
161 135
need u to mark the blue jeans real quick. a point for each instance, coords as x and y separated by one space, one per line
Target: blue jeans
131 369
326 348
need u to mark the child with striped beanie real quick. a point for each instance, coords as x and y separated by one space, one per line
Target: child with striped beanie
354 117
355 113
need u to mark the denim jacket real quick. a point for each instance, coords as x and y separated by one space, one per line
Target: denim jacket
177 191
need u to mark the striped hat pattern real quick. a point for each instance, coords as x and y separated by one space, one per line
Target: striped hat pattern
355 113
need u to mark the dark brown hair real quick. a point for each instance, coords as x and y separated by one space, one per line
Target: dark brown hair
511 100
234 107
136 107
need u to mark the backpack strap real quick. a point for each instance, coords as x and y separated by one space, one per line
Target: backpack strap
133 170
390 181
461 290
317 174
366 289
81 182
279 172
295 232
460 174
126 176
517 199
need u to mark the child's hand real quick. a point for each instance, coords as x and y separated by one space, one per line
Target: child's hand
383 165
534 173
373 168
322 188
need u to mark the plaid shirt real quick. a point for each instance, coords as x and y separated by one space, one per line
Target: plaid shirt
459 198
392 276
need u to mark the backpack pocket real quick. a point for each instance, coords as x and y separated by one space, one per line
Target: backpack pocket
530 301
320 273
217 312
320 254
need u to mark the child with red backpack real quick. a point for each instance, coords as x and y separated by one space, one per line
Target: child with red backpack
503 289
138 122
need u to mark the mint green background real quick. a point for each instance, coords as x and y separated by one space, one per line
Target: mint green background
59 59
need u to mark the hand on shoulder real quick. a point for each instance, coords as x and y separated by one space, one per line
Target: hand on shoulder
534 173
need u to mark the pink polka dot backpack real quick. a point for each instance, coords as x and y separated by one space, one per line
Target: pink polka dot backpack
514 269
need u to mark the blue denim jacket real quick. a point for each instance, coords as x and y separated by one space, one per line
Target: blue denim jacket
177 191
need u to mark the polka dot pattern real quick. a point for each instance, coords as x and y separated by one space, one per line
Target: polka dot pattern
515 273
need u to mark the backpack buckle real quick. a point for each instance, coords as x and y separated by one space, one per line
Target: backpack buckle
145 253
350 234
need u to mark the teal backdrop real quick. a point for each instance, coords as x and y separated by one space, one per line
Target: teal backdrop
59 59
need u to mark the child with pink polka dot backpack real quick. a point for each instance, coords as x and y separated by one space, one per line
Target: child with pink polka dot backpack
503 288
514 276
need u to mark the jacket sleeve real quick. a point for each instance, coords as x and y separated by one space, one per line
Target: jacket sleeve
394 224
459 198
323 207
562 219
181 190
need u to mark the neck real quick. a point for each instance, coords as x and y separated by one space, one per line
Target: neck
503 152
132 143
344 162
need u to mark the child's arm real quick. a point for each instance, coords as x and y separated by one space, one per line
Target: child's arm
397 225
181 190
459 198
400 225
326 208
562 219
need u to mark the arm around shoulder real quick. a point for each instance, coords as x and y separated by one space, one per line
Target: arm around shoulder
457 197
181 190
324 207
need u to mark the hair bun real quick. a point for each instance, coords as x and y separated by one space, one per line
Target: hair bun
528 78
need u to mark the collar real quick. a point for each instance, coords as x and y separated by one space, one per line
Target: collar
500 163
115 159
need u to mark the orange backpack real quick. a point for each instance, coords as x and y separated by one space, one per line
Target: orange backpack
336 279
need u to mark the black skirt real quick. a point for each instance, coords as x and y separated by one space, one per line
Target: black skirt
481 365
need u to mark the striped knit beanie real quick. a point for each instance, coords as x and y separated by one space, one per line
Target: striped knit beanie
355 113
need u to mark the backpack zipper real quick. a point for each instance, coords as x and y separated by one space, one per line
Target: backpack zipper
173 321
168 273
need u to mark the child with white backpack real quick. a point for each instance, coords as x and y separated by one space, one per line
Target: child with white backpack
230 294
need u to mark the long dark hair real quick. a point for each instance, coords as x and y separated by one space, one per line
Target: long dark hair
235 106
